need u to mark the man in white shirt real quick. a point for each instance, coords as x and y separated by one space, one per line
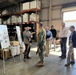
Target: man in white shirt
63 38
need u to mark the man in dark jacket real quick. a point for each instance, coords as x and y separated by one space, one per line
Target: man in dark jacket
72 44
54 33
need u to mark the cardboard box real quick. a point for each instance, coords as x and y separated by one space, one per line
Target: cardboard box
15 50
14 43
57 42
7 53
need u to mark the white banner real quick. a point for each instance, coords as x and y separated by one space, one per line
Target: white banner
19 34
4 38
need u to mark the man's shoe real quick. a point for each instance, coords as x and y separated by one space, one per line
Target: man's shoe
24 60
67 64
40 64
60 56
28 57
46 55
63 57
72 62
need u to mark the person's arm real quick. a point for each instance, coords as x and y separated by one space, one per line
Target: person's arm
65 33
55 33
40 38
51 35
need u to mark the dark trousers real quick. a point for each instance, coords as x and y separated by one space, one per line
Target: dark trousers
27 51
63 46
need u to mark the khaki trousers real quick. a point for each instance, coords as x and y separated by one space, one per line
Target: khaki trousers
70 54
53 41
48 46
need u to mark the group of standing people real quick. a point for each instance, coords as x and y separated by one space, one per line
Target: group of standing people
45 39
64 34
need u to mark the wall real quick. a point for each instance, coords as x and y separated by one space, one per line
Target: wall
45 12
57 15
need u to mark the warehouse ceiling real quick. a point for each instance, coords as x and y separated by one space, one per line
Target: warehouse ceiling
5 3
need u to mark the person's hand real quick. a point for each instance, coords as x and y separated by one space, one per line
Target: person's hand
30 44
47 39
33 33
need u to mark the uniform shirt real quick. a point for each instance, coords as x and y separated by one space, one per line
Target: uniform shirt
41 37
64 32
48 34
26 37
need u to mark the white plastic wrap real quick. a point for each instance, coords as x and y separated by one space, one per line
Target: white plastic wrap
26 6
18 50
19 19
8 21
22 47
14 19
33 17
25 17
33 4
13 50
4 12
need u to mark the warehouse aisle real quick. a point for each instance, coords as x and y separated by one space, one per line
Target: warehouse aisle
53 65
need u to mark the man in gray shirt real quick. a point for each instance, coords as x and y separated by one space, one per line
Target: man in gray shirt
27 42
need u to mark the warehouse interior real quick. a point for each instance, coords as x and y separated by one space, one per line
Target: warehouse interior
18 14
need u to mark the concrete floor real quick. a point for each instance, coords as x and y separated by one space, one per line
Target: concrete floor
53 65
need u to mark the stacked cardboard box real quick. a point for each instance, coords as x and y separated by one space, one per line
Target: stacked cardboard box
7 53
15 48
14 43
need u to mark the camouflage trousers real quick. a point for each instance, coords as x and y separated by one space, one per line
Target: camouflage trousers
41 53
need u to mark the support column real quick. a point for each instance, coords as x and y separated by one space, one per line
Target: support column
50 14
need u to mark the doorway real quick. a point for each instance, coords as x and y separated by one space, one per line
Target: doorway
69 18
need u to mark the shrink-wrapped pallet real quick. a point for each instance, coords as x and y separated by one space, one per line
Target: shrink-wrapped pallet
18 50
33 17
14 19
35 4
25 6
18 19
13 50
4 12
25 17
14 43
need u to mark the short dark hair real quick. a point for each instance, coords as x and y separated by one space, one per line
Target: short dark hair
52 25
40 23
72 27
